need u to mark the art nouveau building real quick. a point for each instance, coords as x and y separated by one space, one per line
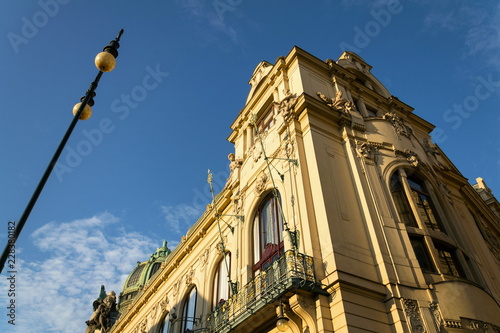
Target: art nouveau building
340 215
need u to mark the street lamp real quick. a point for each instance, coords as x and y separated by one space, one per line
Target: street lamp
105 62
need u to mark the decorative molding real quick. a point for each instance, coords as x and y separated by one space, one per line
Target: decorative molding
339 103
164 303
437 315
399 125
413 316
204 257
366 150
287 104
429 147
256 150
410 156
234 164
237 202
189 276
175 288
261 183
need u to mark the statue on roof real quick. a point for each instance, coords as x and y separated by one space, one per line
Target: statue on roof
104 313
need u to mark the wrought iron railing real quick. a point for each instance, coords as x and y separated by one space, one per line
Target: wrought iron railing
291 270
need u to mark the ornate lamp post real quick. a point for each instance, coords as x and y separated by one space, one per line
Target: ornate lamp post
105 62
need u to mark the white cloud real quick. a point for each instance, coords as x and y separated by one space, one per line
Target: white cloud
55 294
479 24
179 218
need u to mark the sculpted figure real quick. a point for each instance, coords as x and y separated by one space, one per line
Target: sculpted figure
286 105
340 101
100 319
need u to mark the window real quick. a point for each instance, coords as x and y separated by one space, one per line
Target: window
134 278
371 111
401 201
189 311
449 261
416 209
165 324
425 207
155 268
221 281
267 121
423 257
268 232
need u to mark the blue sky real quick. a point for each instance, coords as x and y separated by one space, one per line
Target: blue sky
134 174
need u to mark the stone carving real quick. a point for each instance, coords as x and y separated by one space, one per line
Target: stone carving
260 186
233 165
143 326
175 289
204 257
256 151
413 316
410 156
429 148
189 276
339 103
221 248
436 314
366 150
101 317
476 325
399 125
237 203
164 303
285 107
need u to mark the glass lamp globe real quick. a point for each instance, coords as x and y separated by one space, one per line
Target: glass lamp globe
282 324
105 62
86 113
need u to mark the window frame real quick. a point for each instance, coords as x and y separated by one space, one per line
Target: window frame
188 319
429 251
265 254
220 275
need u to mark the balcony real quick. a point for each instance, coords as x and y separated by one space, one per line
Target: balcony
290 272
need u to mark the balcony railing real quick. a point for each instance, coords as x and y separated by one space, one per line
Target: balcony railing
292 270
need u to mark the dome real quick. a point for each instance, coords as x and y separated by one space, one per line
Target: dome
140 276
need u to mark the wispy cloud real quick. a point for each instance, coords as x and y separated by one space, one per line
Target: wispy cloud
213 14
479 24
55 294
179 218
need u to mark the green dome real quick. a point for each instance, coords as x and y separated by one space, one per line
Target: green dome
140 276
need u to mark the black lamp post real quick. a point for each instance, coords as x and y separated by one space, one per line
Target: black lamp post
105 62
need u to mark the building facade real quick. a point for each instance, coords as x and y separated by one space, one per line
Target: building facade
339 215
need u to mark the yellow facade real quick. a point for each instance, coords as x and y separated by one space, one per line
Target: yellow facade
340 215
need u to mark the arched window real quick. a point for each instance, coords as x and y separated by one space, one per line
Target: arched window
221 282
189 311
415 191
165 324
417 210
268 232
